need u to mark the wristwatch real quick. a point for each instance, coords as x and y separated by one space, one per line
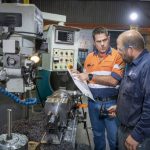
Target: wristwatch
90 76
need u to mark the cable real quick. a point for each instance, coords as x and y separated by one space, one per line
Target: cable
39 35
28 33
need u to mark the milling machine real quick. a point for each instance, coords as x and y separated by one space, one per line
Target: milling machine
21 27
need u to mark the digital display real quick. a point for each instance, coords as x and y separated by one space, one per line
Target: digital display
62 36
66 37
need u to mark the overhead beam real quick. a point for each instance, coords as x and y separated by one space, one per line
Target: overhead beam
143 30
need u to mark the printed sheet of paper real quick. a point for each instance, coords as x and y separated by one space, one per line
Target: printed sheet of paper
83 87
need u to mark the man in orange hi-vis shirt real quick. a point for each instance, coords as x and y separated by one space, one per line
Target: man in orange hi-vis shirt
103 70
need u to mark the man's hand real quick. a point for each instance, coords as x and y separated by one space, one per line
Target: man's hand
130 143
112 111
82 76
79 76
74 71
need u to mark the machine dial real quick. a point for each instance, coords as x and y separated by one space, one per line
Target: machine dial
11 61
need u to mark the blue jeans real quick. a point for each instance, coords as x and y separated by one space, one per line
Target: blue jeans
100 124
123 134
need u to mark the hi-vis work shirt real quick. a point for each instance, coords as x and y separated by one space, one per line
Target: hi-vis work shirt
112 65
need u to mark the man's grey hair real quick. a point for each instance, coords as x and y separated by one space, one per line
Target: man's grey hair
133 39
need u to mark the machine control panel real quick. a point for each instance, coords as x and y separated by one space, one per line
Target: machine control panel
62 58
63 42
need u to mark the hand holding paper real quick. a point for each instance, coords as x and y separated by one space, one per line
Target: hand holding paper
80 81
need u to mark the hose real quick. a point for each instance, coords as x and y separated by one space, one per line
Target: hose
26 102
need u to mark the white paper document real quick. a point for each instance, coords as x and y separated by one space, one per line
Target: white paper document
82 85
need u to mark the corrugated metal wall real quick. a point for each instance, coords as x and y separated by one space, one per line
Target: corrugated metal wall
94 11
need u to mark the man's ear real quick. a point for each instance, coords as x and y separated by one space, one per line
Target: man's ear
130 50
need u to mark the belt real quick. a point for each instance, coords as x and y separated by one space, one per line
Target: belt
105 99
125 127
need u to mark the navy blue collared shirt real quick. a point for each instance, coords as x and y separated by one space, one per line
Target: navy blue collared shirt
133 105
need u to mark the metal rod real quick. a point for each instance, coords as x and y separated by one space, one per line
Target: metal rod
9 123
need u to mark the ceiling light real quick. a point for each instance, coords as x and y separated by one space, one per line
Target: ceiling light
134 16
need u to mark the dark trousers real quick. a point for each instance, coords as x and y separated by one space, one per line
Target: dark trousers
123 134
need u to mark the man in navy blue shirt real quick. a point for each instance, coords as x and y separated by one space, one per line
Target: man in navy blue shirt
133 105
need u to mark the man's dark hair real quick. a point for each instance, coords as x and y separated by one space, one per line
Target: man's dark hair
99 30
